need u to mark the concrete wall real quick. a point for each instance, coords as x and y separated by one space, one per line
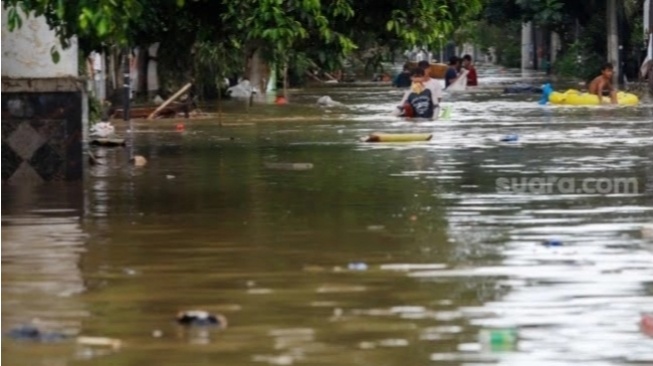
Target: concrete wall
26 51
43 106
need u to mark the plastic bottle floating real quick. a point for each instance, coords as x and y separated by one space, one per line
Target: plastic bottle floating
498 339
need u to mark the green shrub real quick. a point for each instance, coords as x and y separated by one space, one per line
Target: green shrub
94 110
578 61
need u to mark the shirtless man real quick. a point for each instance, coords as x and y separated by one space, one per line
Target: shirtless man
603 84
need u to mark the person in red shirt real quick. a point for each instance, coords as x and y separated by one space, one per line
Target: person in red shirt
472 78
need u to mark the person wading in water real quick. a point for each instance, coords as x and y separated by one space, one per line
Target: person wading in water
419 101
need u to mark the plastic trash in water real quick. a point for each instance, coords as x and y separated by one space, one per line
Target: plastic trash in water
552 242
201 318
498 339
646 324
510 138
32 333
357 266
446 112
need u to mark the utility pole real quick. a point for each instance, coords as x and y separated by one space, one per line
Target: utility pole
126 99
613 39
526 44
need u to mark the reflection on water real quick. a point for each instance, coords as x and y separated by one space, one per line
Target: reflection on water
207 225
42 243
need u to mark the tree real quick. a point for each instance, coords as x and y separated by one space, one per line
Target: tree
282 31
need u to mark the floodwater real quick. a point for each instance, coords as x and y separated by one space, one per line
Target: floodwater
440 251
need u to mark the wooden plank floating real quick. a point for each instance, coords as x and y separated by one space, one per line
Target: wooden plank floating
398 137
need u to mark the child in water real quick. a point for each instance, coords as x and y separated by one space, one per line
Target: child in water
419 100
602 84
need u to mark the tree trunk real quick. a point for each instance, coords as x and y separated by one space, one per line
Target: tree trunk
613 38
285 80
152 70
257 71
143 59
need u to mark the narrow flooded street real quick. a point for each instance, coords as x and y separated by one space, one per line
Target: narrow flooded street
376 254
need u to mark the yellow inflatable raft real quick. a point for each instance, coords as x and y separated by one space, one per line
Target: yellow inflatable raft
575 97
398 137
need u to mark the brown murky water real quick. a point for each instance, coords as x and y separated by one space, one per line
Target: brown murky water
210 224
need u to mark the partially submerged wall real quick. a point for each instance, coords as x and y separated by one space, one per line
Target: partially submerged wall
42 106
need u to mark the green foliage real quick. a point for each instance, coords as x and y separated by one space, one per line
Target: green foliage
579 61
95 21
548 12
215 61
197 35
279 27
94 110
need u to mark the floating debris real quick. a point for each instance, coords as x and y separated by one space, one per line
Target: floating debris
376 227
510 138
498 339
357 266
259 291
552 242
393 343
139 160
201 318
32 333
397 137
102 129
275 360
343 288
100 342
289 166
326 101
